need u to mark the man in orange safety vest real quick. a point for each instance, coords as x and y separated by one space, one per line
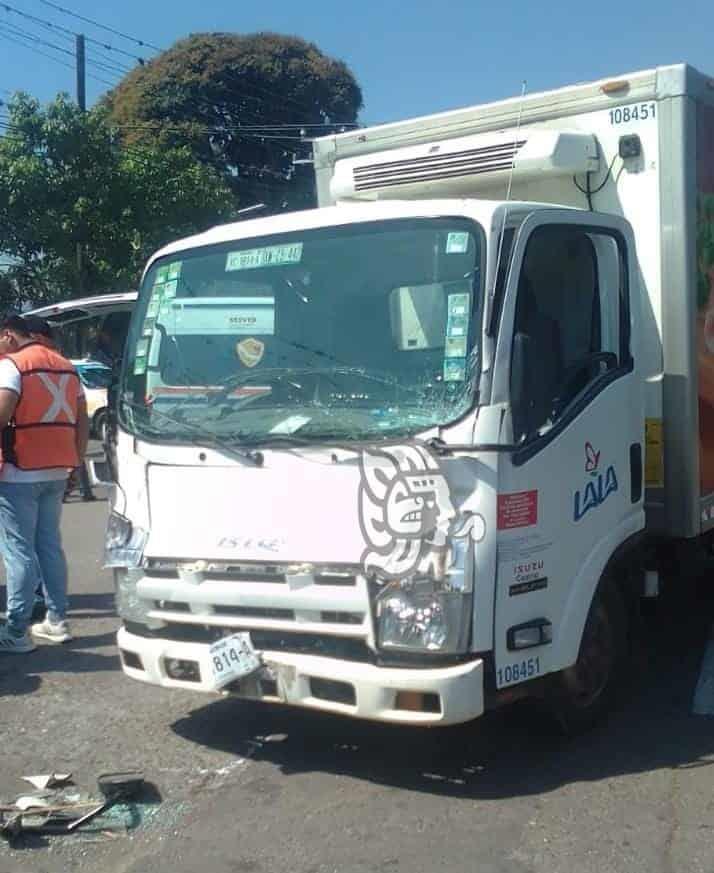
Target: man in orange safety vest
45 428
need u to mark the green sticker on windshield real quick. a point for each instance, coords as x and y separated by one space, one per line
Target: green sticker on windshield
139 365
161 275
152 310
454 369
169 290
457 243
457 323
455 347
174 271
459 304
457 326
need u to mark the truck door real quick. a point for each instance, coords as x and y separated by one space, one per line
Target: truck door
572 493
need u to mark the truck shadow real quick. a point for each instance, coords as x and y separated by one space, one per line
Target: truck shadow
513 752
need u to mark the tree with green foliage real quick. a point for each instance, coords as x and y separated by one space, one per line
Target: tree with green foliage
66 182
245 104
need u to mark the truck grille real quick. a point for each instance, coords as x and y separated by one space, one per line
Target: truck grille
317 602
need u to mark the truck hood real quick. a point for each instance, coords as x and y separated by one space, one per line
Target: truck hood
301 507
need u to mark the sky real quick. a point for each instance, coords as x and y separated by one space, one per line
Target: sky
410 57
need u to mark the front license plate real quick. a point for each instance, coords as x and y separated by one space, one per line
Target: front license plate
232 658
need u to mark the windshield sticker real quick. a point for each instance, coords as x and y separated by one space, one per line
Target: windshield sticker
270 256
459 304
457 243
152 310
455 347
250 351
454 370
148 328
169 290
139 365
173 271
457 325
236 316
142 348
161 275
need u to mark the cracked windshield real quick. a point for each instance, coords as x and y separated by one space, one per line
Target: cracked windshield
364 331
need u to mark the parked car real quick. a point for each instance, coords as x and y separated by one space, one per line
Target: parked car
95 378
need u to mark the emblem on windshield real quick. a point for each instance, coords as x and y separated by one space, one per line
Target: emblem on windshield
250 351
406 513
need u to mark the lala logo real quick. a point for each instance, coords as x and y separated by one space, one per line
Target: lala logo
598 489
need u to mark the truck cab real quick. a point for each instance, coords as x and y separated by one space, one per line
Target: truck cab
357 436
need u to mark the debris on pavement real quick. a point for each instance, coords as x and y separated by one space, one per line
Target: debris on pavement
48 780
63 812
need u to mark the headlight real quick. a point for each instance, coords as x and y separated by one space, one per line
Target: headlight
428 614
130 606
124 543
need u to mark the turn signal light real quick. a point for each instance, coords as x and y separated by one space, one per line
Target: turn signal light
184 671
417 701
533 633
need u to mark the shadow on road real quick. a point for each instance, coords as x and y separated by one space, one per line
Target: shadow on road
91 605
21 674
511 752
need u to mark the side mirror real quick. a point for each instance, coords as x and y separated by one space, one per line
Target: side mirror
100 473
521 395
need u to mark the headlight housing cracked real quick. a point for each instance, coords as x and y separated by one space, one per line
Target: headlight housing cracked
429 613
124 543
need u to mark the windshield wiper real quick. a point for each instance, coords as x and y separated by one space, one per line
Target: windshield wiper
200 439
440 447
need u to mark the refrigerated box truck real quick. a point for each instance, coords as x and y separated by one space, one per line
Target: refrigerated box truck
421 450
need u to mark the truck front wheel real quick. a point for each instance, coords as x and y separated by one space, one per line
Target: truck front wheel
583 693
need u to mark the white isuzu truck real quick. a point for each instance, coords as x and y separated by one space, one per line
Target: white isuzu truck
421 450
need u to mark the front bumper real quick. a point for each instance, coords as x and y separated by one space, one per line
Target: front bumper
327 684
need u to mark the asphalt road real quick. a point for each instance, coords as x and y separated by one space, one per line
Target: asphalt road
254 789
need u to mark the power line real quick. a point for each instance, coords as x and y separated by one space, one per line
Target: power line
68 34
99 25
18 31
57 60
36 50
16 34
106 59
108 66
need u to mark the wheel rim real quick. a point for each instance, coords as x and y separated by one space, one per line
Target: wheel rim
588 677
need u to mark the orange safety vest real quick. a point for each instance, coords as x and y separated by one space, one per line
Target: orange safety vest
42 433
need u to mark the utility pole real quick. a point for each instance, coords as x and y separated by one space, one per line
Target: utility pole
82 103
81 72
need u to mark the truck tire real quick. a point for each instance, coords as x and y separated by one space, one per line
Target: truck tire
99 425
582 694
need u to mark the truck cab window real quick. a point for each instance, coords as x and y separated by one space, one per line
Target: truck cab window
568 317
